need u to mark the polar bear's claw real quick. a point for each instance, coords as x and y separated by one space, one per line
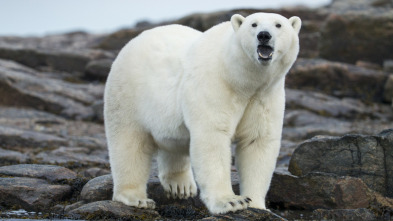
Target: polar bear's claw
226 204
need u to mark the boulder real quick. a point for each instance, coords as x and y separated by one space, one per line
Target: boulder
353 35
337 79
318 190
97 189
31 193
369 158
50 173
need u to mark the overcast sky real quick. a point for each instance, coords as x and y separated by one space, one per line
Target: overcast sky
41 17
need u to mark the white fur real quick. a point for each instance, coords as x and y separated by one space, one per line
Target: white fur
186 95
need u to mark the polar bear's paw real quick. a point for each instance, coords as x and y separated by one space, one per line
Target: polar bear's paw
226 204
179 185
133 200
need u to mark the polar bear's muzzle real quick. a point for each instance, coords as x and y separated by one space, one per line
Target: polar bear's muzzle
265 52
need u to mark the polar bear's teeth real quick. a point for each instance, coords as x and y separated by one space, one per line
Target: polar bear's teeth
271 54
260 54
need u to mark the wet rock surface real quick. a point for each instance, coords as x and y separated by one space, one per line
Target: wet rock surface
53 156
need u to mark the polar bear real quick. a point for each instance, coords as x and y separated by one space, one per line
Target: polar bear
184 96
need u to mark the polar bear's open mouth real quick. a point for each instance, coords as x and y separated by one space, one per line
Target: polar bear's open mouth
265 52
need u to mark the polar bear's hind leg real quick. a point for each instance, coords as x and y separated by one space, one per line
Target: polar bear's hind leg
133 151
175 174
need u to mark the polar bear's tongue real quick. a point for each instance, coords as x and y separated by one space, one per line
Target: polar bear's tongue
265 51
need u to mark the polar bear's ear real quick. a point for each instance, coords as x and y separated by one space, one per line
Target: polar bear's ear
236 21
296 23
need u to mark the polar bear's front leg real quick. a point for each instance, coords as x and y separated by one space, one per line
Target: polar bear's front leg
259 136
211 160
174 171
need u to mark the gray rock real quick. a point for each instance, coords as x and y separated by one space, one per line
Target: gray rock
12 137
367 157
112 210
337 79
326 105
21 89
98 109
248 214
73 157
388 90
318 190
98 69
95 172
12 157
97 189
388 66
31 193
344 214
68 60
51 173
350 36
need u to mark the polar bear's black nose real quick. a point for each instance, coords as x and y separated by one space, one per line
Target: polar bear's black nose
264 37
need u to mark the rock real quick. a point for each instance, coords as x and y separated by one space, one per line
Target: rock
98 110
95 172
12 157
367 157
21 89
112 210
31 193
248 214
97 189
323 76
318 190
73 157
326 105
117 40
344 214
98 69
72 40
302 124
68 60
50 173
12 137
351 36
388 66
388 90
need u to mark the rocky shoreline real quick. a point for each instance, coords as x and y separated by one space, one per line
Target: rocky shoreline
337 149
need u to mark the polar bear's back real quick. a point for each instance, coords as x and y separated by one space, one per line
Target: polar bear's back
145 77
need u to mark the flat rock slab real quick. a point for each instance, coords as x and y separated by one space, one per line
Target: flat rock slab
248 214
367 157
50 173
112 210
31 193
115 210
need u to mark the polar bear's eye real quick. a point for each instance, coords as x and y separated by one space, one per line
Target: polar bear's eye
254 25
278 25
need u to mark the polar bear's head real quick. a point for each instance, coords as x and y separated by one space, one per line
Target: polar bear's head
267 37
